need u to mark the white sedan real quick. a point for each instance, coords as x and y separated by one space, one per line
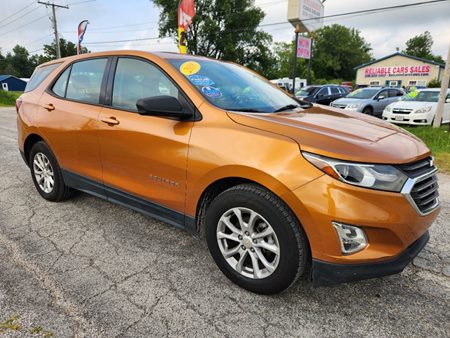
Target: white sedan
419 109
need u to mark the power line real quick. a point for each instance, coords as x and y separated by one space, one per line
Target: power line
23 26
354 13
19 17
20 10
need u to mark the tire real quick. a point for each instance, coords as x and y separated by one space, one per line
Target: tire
42 157
368 111
272 217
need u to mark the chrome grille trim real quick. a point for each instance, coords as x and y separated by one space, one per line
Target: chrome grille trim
411 190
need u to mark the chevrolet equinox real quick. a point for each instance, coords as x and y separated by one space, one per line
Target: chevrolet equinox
280 188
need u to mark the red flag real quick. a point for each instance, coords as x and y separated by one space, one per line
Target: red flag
186 12
81 30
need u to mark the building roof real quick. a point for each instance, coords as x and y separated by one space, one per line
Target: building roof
4 77
404 55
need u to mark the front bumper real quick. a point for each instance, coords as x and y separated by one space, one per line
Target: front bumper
410 119
325 273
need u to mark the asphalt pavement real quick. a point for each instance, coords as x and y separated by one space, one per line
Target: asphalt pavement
89 268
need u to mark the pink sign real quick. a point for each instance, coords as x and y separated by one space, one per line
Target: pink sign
304 48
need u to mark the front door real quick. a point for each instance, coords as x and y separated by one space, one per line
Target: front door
144 157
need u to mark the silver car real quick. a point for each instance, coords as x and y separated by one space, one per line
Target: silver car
370 101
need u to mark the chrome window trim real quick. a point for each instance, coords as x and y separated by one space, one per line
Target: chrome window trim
409 185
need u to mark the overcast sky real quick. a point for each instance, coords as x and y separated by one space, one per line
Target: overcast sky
112 20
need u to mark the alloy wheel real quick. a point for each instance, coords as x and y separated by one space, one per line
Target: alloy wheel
248 243
43 172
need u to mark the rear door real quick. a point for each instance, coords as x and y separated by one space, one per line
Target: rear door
144 157
68 117
323 96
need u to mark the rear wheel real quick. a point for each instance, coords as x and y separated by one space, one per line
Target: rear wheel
255 239
47 175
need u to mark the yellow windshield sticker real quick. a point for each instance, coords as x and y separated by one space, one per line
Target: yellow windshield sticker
190 67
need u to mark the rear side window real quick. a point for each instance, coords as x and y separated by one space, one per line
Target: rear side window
334 90
85 81
39 75
59 88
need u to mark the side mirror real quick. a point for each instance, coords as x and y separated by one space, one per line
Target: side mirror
166 106
381 97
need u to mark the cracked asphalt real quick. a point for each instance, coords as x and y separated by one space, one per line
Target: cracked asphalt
89 268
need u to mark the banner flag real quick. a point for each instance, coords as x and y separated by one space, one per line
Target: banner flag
81 30
186 13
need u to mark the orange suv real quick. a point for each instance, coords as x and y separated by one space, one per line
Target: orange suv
279 187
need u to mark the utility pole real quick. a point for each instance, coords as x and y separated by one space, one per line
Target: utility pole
443 95
55 27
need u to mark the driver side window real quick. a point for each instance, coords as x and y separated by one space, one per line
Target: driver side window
384 93
323 92
135 79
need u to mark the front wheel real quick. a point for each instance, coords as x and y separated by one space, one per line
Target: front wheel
368 111
255 239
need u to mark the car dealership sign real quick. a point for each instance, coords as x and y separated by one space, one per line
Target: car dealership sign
397 71
307 13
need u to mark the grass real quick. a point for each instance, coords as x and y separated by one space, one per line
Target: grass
438 140
8 99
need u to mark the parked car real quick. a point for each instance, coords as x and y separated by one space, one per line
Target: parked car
213 148
417 109
322 94
370 101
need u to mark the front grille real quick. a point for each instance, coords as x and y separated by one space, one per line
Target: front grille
424 190
418 168
401 111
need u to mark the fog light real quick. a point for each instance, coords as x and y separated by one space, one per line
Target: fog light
352 238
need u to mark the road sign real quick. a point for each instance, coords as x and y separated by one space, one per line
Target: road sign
306 13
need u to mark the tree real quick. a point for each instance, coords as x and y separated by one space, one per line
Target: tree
421 46
223 29
67 48
337 50
282 67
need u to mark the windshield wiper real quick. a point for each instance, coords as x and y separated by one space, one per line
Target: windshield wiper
248 110
288 107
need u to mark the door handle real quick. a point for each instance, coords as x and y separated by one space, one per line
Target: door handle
110 120
49 107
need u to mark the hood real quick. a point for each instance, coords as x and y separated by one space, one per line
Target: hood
412 104
348 100
340 134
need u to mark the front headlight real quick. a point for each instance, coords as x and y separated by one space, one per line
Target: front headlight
423 110
374 176
388 109
353 106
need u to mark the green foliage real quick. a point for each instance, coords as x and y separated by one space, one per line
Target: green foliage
438 140
21 64
67 48
337 50
420 46
435 83
282 64
11 324
223 29
8 99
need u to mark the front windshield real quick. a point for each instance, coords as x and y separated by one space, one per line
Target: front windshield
411 96
363 93
308 91
232 87
425 96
